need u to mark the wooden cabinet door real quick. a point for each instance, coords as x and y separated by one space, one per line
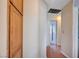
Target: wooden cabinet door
15 33
18 4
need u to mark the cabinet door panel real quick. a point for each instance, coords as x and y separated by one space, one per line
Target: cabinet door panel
15 32
18 4
18 54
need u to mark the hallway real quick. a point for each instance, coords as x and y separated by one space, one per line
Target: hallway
25 28
54 52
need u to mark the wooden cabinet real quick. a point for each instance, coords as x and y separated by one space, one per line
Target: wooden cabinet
15 32
18 4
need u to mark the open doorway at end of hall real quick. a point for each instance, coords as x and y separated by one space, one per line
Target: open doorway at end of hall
53 32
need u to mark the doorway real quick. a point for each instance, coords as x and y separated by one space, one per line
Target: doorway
53 32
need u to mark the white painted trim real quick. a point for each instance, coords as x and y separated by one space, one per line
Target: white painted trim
65 54
75 32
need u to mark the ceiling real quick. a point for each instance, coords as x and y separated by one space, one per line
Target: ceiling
56 4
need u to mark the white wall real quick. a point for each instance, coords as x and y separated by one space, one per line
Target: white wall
43 29
31 29
67 29
3 28
35 29
59 30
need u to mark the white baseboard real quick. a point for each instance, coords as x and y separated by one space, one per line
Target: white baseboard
65 54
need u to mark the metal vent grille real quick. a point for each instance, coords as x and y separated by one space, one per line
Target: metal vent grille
54 11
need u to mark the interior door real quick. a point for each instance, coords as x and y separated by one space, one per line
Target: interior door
18 4
15 33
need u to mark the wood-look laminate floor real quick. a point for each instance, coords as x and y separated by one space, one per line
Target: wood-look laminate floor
54 52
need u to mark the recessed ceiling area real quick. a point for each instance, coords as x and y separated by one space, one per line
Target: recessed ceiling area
56 4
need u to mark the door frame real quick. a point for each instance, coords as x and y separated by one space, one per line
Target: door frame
75 32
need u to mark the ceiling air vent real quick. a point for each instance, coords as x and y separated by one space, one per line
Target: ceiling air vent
54 11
